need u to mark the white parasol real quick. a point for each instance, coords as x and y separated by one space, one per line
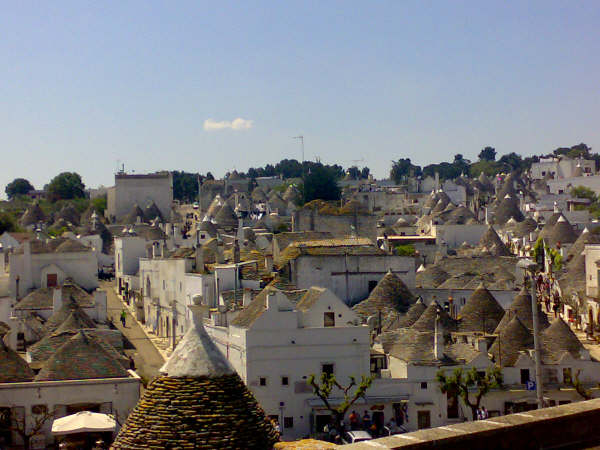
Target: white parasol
83 422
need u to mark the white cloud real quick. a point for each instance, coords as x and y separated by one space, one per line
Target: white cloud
238 124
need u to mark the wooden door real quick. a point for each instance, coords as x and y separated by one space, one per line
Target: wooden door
424 419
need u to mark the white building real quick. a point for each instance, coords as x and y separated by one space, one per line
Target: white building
46 264
130 190
349 267
556 168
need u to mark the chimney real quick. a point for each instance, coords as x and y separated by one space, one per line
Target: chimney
168 229
199 257
438 339
269 263
247 297
57 301
199 310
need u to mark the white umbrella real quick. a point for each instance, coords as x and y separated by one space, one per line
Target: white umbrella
83 422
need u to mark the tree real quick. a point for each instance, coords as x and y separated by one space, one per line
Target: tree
320 183
7 223
65 186
460 382
513 161
18 424
364 173
354 172
18 186
487 154
209 176
584 192
99 204
328 382
574 382
185 186
403 168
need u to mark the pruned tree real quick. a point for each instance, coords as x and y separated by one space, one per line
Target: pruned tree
460 382
574 382
328 382
18 424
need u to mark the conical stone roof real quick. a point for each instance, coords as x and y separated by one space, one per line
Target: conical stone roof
80 358
151 212
557 339
226 217
133 215
507 208
579 245
562 232
208 227
197 402
412 315
69 214
514 338
521 308
427 320
13 368
390 295
33 215
493 243
481 312
215 206
431 277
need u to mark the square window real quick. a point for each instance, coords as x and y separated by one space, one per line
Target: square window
423 384
524 376
285 381
288 422
327 368
262 381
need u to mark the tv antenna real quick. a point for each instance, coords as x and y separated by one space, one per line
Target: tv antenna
301 138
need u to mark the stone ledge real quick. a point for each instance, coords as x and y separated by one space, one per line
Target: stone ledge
565 425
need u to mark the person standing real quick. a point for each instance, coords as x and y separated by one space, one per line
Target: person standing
353 421
366 419
123 318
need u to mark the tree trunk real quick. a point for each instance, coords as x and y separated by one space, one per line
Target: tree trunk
474 412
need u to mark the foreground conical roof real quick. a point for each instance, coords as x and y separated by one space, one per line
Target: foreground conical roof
199 402
521 308
481 312
512 339
390 295
579 245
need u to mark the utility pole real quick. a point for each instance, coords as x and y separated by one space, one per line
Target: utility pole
529 266
301 138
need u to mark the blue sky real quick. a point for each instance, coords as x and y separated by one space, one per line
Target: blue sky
87 84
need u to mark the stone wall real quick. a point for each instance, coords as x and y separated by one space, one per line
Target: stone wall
567 426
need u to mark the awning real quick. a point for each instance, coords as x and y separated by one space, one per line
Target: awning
83 422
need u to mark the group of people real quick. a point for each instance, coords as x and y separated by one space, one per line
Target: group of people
365 423
482 413
548 293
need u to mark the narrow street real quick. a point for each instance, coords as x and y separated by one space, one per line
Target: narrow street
147 359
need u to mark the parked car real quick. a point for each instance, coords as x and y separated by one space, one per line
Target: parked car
350 437
398 430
